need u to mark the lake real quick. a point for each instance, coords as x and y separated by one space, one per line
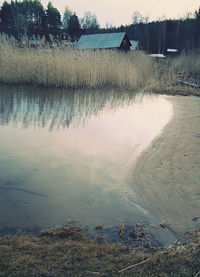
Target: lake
66 154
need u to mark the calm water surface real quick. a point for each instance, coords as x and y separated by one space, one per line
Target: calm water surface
66 154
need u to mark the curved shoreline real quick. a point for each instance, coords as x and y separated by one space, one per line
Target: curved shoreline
166 177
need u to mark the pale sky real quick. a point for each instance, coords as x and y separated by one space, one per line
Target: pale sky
119 12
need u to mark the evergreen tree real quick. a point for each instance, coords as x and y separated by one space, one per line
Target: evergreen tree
22 18
32 16
73 27
6 24
53 19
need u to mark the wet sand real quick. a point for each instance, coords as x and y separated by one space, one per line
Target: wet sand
166 177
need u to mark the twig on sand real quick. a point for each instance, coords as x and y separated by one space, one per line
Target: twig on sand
129 267
198 273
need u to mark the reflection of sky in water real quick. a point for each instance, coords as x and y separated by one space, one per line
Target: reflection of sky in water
81 167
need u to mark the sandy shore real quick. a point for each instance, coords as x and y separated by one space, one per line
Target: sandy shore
166 178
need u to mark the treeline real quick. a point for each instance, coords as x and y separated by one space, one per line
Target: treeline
29 18
157 37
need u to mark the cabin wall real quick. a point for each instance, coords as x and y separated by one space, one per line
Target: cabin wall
125 45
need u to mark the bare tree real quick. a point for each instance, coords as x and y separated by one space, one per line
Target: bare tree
89 22
138 18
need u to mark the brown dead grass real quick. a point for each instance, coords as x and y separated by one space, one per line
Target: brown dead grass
66 252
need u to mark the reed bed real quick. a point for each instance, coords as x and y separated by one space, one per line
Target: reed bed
69 68
187 64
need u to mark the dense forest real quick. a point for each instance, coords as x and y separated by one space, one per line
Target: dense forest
29 18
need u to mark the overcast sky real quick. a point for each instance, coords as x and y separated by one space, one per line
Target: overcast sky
119 12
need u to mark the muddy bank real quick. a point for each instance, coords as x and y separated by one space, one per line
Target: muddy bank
134 235
166 178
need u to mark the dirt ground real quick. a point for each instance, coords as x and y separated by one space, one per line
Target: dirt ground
166 178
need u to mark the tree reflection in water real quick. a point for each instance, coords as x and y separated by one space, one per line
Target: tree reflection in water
56 108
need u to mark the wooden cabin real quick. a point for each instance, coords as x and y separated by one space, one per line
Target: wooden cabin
135 45
62 39
65 39
65 36
112 41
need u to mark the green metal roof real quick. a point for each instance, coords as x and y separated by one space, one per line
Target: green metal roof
134 44
100 41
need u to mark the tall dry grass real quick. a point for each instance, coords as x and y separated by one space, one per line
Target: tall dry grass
70 68
187 64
